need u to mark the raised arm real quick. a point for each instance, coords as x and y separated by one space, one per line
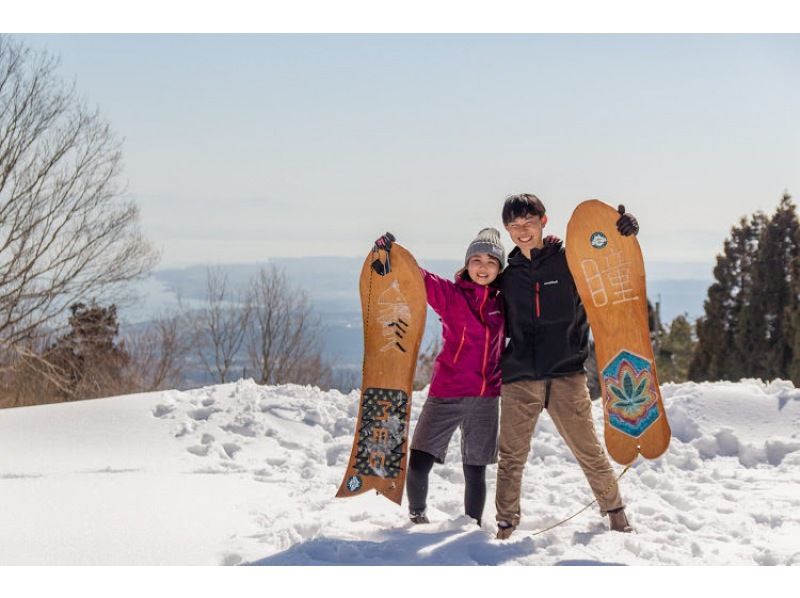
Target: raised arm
440 291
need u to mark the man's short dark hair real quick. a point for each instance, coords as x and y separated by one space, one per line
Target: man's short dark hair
522 206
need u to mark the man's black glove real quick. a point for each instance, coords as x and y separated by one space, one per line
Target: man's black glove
627 224
385 241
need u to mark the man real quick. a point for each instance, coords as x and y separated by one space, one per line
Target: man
543 364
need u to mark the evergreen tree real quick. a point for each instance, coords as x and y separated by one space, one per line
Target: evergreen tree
751 326
794 319
741 325
89 362
765 338
717 355
792 311
676 346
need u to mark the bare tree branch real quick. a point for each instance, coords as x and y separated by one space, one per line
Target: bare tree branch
66 233
285 340
157 353
221 325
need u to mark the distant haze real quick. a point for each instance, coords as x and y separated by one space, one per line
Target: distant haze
332 287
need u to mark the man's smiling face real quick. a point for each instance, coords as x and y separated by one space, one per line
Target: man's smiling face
527 232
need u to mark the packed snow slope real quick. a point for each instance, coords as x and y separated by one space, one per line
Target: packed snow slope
246 474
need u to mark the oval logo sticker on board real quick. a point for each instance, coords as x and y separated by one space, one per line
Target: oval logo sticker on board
598 240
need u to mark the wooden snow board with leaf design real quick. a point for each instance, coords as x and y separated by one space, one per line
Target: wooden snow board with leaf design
609 273
393 309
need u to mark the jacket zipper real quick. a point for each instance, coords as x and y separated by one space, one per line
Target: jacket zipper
538 305
460 345
486 341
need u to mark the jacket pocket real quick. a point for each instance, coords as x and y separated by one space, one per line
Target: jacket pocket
555 301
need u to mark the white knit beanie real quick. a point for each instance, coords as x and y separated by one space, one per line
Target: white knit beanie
487 241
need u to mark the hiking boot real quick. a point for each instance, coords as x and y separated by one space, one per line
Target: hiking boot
418 517
504 530
618 521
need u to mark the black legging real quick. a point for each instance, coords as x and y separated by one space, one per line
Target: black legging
420 464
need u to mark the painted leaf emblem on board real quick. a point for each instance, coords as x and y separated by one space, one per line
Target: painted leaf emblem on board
632 395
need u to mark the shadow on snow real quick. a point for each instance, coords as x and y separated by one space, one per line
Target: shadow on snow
403 547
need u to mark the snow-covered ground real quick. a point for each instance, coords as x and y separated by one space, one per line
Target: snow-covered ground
240 473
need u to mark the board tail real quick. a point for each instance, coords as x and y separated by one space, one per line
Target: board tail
379 449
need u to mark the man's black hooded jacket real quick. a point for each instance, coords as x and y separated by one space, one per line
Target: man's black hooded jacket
545 319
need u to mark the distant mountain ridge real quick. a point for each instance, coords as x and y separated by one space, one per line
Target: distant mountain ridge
332 282
332 286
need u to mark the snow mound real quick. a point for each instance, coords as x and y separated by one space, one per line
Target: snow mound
246 474
756 423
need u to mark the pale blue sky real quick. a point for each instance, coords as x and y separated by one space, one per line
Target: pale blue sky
239 147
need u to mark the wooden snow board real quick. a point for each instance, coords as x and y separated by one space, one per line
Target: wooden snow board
393 309
609 273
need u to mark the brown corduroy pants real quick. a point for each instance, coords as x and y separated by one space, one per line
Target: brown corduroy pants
567 401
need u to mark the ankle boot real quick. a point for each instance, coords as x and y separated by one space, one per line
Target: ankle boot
504 530
618 521
418 517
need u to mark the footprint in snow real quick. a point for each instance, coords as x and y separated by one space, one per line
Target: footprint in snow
203 413
288 444
333 453
585 538
262 475
199 450
245 429
231 449
186 427
163 410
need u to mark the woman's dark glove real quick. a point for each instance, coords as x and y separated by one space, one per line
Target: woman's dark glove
627 224
385 241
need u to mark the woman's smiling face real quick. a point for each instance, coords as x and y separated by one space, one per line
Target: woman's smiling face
483 269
